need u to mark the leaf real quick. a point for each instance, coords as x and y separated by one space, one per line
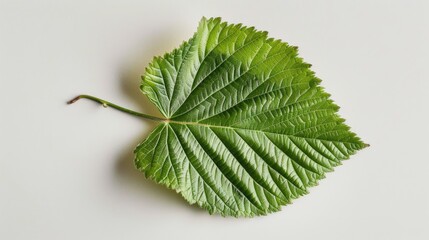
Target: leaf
249 128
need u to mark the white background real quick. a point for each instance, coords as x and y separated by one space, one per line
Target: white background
66 172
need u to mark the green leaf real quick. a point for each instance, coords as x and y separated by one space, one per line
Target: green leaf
249 128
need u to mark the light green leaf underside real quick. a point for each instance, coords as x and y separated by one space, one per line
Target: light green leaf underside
250 128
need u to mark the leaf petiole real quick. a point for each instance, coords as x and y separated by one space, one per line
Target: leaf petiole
122 109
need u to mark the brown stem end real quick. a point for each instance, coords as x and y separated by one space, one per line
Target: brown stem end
73 100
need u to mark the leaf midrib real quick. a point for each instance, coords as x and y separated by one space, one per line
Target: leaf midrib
254 130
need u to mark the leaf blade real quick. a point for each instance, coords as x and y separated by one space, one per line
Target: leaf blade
250 127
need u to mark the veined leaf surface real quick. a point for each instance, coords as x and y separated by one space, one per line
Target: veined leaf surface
249 128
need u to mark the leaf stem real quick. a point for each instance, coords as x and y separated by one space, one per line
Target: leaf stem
122 109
